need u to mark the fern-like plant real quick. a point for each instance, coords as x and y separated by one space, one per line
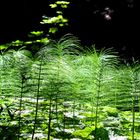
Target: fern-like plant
13 81
128 84
55 58
103 61
22 63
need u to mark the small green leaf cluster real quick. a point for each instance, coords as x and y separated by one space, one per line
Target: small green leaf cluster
58 20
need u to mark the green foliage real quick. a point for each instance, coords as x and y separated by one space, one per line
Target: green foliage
56 21
100 62
35 33
85 133
61 92
110 111
2 47
88 133
101 133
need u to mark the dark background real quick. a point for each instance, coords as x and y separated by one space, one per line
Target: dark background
86 21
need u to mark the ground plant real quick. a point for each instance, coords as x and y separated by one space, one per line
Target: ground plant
65 92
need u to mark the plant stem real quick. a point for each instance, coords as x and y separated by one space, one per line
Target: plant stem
20 105
37 98
50 118
133 118
97 100
73 110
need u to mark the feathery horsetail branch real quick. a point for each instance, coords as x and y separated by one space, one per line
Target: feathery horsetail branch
106 59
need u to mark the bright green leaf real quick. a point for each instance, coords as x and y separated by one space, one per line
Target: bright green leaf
63 2
53 30
53 5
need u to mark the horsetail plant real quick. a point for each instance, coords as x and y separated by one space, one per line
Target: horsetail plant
130 86
14 58
5 84
22 61
56 55
103 61
135 91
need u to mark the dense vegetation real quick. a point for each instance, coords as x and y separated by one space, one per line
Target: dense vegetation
53 89
64 92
